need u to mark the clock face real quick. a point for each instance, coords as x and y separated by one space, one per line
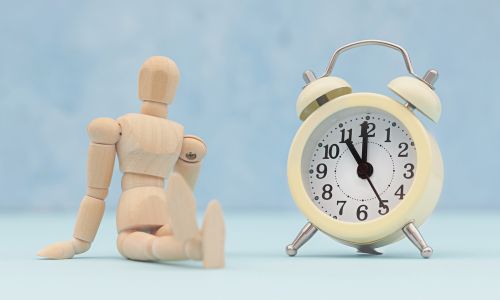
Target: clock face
359 164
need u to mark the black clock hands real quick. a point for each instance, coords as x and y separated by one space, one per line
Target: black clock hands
380 202
354 152
364 170
364 134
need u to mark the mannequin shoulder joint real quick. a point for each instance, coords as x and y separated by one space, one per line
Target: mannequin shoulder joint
104 131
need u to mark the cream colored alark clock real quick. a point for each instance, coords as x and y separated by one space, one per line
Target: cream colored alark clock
362 168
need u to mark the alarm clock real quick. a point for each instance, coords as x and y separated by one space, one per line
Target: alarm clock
362 167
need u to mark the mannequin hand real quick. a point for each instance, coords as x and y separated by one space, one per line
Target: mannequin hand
64 250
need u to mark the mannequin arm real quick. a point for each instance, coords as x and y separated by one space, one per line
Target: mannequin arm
189 163
104 133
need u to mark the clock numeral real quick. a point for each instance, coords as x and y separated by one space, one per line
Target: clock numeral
331 151
349 135
388 136
384 209
321 169
362 212
342 204
409 171
399 192
404 151
327 192
369 127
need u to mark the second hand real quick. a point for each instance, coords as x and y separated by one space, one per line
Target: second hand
381 203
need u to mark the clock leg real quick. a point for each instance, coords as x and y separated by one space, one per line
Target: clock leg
412 233
304 235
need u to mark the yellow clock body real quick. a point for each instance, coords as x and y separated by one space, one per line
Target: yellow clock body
362 167
420 198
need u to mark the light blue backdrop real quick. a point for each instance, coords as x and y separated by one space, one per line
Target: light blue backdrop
65 63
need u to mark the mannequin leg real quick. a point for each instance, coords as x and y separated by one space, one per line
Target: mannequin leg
182 208
143 246
168 248
136 245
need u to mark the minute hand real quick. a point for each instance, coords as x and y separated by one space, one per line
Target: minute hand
364 134
380 202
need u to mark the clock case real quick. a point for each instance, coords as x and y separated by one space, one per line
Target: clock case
325 96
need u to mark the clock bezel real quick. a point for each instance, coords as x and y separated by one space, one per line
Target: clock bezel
420 199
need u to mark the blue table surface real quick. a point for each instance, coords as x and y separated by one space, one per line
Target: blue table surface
466 263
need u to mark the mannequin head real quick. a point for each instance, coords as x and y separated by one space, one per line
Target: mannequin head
158 79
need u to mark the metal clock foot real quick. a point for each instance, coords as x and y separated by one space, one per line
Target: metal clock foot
412 233
304 235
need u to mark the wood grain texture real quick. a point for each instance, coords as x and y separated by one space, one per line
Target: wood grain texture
213 236
158 79
143 246
59 250
80 246
97 192
148 145
165 230
104 131
156 109
101 160
132 180
193 149
182 208
88 219
136 245
153 223
169 248
192 153
188 171
193 248
142 207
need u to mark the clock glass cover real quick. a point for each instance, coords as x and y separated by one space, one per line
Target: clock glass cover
359 164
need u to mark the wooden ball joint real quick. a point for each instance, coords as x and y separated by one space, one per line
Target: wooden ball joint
154 222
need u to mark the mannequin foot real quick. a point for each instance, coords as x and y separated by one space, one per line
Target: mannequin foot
213 236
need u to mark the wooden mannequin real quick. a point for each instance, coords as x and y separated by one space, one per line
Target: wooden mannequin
153 223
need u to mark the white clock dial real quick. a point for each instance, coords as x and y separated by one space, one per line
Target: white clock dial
353 184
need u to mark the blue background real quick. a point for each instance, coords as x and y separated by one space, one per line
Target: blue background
64 63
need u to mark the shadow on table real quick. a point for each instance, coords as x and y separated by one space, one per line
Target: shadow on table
182 264
395 255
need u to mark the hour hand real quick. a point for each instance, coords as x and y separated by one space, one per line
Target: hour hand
353 151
